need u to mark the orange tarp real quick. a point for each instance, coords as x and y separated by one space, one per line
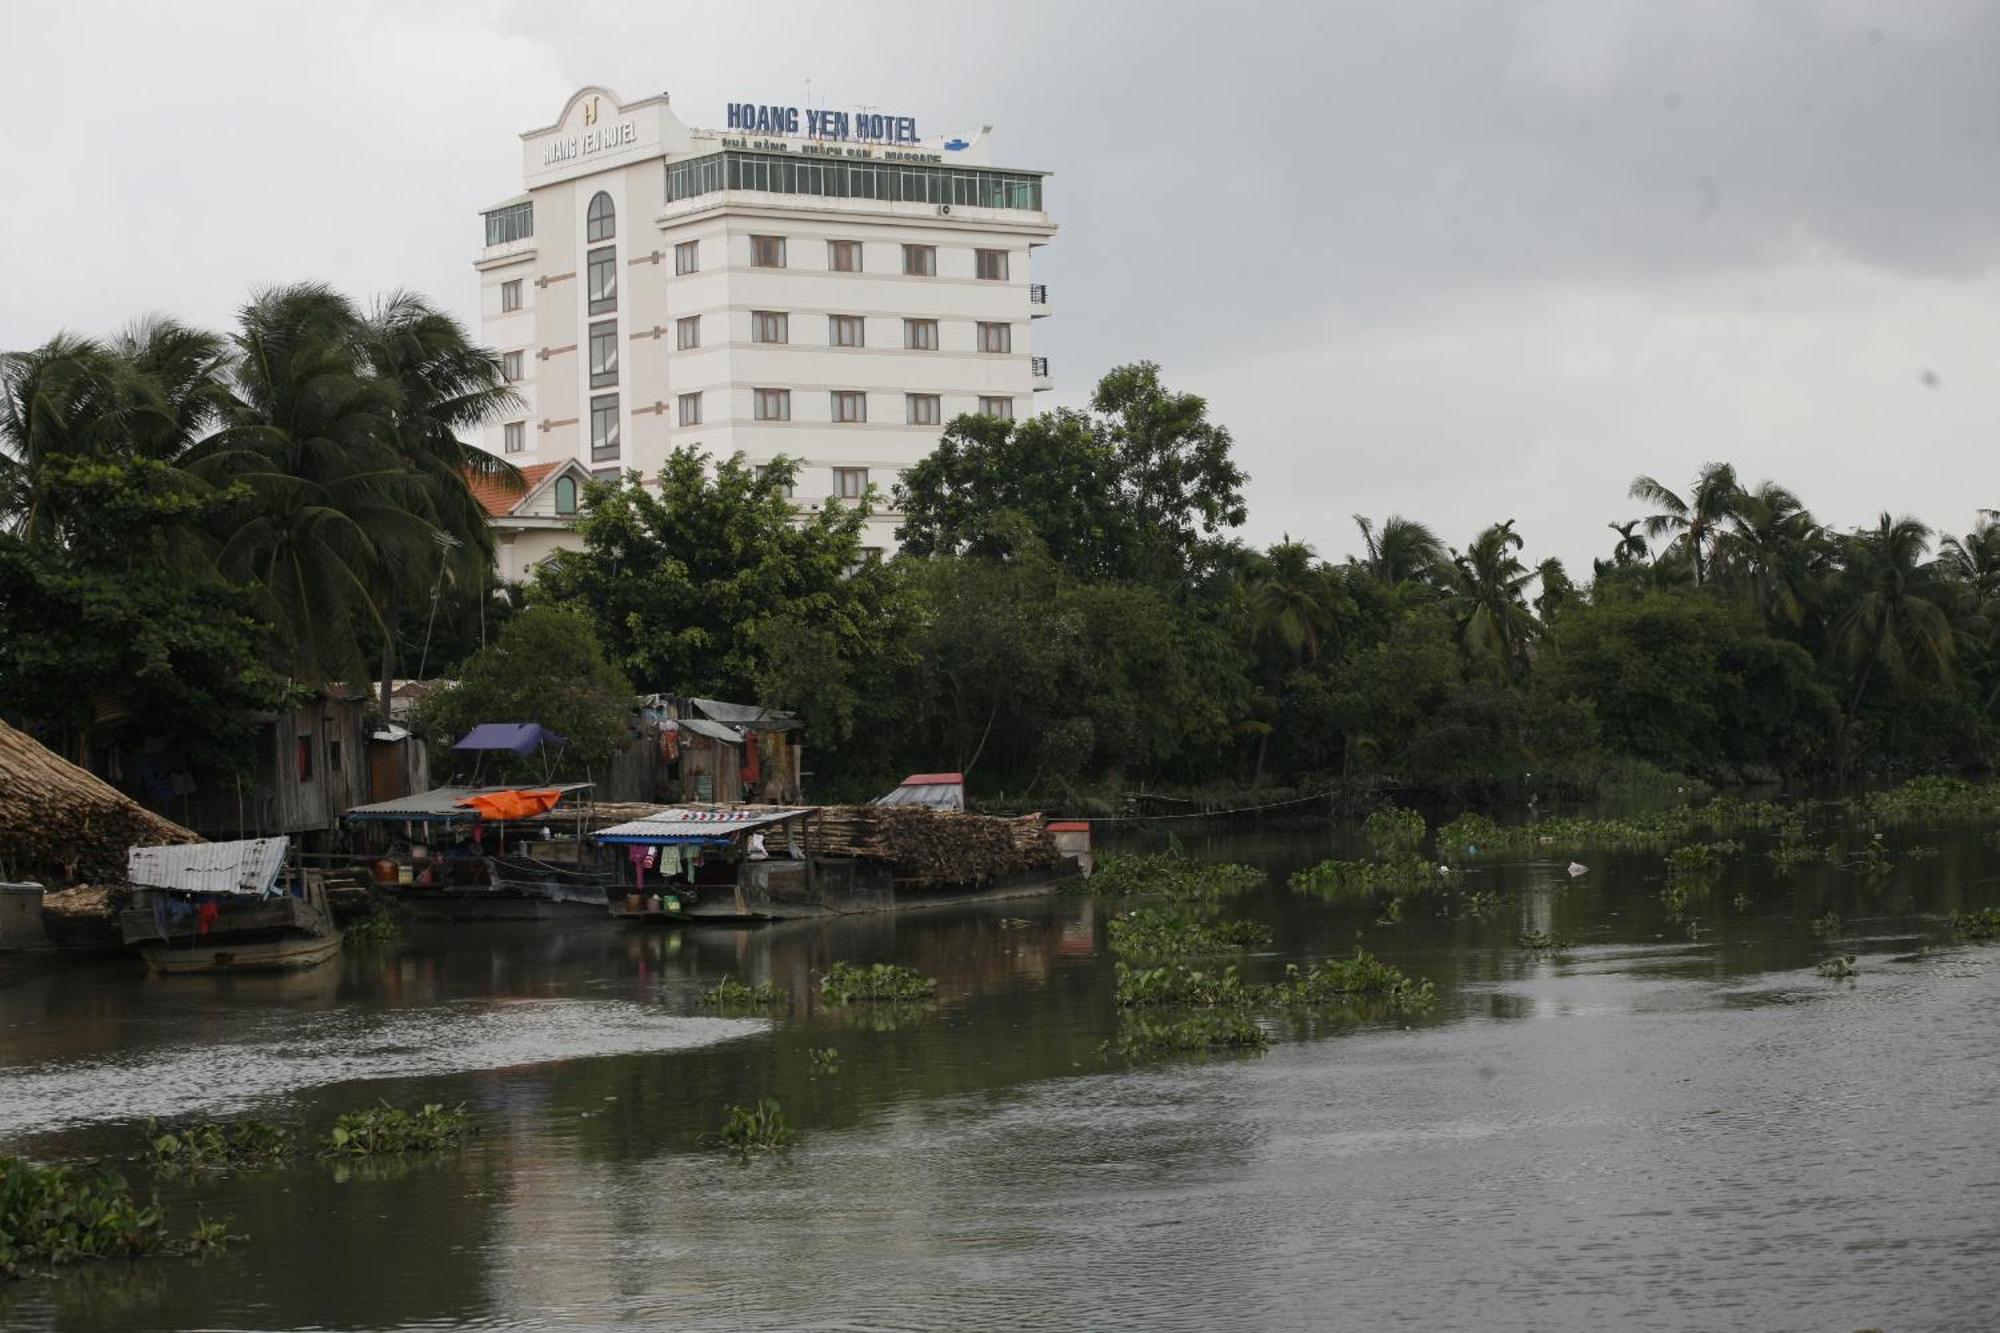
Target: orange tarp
513 804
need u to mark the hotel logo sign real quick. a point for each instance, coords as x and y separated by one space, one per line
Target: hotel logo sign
593 140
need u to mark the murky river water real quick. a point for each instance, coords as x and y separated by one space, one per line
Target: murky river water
1648 1131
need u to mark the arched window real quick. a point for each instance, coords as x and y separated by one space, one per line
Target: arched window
565 495
601 221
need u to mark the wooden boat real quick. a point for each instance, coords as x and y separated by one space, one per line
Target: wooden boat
226 907
276 934
818 887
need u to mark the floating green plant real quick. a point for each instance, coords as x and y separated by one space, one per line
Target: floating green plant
1177 931
1542 941
55 1215
1214 1030
1826 927
1340 979
761 1128
382 926
825 1060
846 983
1393 831
1933 800
214 1146
1700 860
1170 874
1838 967
1980 927
1392 914
1187 987
729 993
386 1129
1480 902
1475 834
1335 879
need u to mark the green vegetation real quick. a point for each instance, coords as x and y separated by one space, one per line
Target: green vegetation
1141 1035
1826 927
1980 927
385 1129
214 1146
55 1215
1338 979
850 983
1187 987
1338 879
1542 941
1700 860
1839 967
757 1129
1178 932
729 993
825 1060
381 926
1170 874
1393 831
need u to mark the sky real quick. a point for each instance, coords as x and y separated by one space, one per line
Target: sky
1463 260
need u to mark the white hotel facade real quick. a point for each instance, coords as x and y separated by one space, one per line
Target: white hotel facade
832 299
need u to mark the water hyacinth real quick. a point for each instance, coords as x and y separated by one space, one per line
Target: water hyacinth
847 983
1177 932
1211 1030
54 1215
386 1129
1169 874
729 993
761 1128
1335 879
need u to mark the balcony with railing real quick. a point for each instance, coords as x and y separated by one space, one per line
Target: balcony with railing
1038 369
1038 299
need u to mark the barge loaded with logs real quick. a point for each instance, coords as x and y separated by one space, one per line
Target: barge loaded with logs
741 863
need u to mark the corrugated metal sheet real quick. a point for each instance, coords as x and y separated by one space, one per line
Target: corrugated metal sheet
442 803
701 726
680 824
747 715
250 868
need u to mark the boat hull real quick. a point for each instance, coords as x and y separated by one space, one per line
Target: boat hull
487 904
764 896
287 953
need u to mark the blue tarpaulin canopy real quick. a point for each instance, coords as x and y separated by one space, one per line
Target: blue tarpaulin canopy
522 738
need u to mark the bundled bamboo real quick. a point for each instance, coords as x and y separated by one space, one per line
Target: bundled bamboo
58 818
933 846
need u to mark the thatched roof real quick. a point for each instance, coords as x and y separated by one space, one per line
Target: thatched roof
60 819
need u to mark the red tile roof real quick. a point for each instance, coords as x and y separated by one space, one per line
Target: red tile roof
498 496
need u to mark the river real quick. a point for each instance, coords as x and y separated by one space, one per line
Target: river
1656 1128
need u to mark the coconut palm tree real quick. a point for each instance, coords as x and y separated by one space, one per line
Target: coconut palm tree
1696 521
1556 589
1631 545
1404 551
58 403
1495 627
1895 617
442 385
1295 600
1772 552
308 436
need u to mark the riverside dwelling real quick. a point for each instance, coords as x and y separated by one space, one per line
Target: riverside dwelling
804 281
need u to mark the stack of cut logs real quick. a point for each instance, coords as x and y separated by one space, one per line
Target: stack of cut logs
56 818
933 846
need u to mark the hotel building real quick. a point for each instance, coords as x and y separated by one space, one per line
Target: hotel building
821 285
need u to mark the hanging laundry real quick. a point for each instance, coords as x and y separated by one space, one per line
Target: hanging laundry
205 917
752 770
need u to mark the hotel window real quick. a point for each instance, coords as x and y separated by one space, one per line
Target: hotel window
850 405
511 366
767 251
997 407
603 273
992 264
603 427
843 256
923 409
850 483
687 257
565 495
604 354
514 436
687 332
920 260
769 326
510 295
920 335
691 409
772 405
600 220
996 337
846 331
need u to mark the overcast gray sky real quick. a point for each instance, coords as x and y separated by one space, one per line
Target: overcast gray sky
1464 261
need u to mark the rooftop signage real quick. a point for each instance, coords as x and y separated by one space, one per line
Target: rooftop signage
860 127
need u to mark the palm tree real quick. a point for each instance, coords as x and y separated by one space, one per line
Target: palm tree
1494 624
443 384
58 402
1294 599
1404 551
1895 616
307 434
1631 546
1772 551
1556 589
1971 565
1696 521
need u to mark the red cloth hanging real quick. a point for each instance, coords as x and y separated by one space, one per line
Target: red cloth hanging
751 770
205 917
